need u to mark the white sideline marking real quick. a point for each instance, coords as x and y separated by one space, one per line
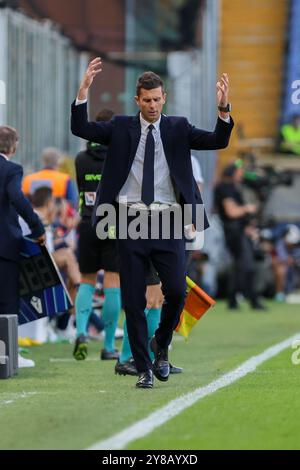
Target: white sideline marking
17 396
145 426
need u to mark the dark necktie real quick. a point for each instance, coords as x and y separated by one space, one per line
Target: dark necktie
148 171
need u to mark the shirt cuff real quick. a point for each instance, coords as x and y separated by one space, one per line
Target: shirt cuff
78 102
223 119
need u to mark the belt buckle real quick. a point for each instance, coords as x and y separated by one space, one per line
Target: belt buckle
149 211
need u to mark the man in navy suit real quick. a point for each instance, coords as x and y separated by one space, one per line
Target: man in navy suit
148 168
12 204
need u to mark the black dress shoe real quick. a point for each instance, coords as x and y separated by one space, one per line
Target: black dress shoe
109 355
145 380
126 368
233 306
256 305
175 370
161 367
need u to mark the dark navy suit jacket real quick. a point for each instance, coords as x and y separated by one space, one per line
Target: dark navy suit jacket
12 204
122 135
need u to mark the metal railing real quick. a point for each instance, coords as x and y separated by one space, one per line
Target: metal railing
41 70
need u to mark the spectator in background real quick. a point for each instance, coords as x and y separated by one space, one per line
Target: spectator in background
44 205
67 165
65 225
234 214
61 184
286 262
290 136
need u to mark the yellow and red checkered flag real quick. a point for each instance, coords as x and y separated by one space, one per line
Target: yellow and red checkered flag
197 302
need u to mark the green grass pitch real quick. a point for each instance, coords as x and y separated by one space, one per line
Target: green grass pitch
64 404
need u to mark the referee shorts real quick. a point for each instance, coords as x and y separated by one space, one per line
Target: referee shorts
95 254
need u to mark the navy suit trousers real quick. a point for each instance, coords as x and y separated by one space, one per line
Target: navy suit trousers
169 260
9 287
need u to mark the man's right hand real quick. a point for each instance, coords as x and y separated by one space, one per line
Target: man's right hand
154 296
40 240
93 69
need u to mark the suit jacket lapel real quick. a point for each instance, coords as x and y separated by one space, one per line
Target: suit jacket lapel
165 133
166 137
135 135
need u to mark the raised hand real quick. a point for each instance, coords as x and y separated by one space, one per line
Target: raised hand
223 90
94 68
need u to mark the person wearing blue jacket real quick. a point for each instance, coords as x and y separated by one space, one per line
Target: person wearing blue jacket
12 204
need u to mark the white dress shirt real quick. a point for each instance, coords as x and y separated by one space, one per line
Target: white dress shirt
163 188
4 156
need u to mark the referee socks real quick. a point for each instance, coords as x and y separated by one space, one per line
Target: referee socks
83 307
110 315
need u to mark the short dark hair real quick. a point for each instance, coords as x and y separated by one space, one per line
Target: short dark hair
8 139
41 197
104 115
148 81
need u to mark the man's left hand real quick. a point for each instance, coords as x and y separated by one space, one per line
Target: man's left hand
222 94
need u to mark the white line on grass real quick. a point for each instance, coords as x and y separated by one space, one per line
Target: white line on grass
145 426
16 396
